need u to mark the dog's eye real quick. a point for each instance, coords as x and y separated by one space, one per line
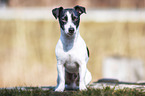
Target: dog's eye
74 18
64 19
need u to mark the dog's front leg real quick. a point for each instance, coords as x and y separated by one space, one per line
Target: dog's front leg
61 77
82 72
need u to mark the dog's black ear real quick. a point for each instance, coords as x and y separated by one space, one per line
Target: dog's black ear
56 12
80 9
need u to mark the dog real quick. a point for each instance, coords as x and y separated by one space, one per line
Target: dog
71 51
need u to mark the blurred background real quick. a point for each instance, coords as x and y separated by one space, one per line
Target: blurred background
114 31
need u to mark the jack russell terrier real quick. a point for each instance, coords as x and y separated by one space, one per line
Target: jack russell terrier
71 51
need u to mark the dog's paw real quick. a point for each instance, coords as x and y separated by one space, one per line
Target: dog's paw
82 87
59 88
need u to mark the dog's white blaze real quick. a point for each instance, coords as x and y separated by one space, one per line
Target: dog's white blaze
69 23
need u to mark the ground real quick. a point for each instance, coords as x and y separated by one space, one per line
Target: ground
107 91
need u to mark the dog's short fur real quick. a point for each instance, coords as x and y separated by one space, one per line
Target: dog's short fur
71 51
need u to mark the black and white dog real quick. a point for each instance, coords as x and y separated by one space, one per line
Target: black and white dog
71 51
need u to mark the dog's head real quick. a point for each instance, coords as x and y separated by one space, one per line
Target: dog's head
69 18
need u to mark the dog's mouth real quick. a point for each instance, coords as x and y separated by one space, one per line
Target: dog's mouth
70 34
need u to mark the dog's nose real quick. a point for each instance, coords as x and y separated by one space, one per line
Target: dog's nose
71 30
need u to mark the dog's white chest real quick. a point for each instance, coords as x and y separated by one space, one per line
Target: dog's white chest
71 63
72 58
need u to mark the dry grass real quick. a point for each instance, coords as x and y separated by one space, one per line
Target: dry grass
27 48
